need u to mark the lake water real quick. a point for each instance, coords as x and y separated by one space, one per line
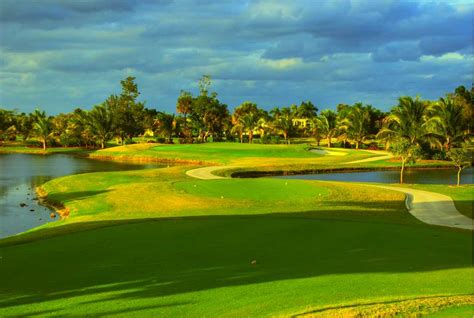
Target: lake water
21 173
423 176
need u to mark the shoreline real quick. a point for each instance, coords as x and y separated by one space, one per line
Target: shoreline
58 207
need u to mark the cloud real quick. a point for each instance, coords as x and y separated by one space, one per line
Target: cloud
61 54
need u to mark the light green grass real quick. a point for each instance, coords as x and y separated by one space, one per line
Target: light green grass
220 153
159 243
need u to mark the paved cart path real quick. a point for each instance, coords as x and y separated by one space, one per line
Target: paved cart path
433 208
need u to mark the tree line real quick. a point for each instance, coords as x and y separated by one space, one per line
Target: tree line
414 126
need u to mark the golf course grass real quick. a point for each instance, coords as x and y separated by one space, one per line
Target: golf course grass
159 243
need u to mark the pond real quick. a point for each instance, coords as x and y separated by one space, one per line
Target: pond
422 176
21 173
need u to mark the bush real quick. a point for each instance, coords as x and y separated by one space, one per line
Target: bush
266 139
128 141
439 155
373 146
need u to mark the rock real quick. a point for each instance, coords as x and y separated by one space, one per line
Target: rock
253 262
23 204
52 215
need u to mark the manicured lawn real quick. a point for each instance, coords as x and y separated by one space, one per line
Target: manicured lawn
159 243
201 266
222 153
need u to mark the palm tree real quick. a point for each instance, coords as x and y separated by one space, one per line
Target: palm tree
166 125
101 125
407 120
325 125
262 126
284 125
275 112
356 124
41 126
249 122
184 104
447 123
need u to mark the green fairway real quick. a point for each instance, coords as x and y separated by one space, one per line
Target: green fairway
157 242
202 266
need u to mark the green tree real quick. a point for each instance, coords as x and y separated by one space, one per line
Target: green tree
165 125
284 125
306 110
7 120
407 151
24 125
247 115
208 116
41 127
465 98
101 124
447 123
406 120
357 123
184 104
462 158
128 114
325 125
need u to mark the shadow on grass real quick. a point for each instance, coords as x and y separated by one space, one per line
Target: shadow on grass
161 257
73 196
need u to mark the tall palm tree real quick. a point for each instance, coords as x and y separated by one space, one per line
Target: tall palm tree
41 127
356 124
447 123
101 125
407 120
325 125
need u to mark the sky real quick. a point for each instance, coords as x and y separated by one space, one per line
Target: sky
59 55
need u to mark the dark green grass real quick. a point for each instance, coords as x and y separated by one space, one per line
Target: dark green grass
201 266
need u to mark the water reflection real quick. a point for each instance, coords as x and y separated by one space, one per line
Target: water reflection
20 174
423 176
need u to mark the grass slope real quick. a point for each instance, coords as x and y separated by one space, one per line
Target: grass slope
159 243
